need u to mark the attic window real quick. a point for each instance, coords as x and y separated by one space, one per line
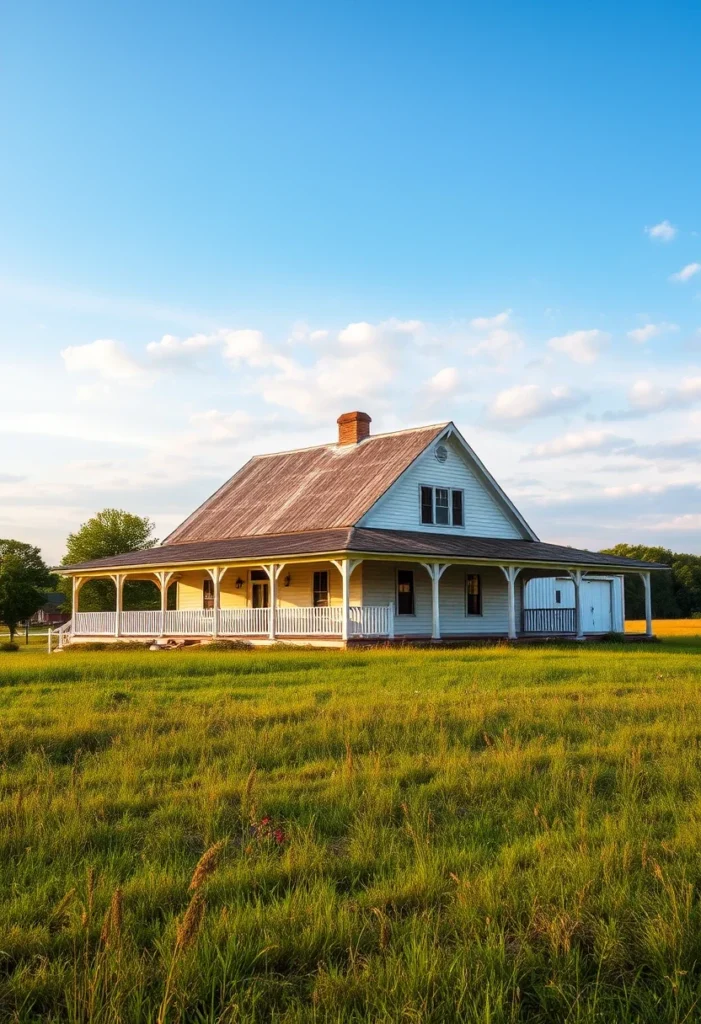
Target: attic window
441 507
441 453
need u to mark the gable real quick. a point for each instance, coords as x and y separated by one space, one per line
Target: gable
486 511
323 488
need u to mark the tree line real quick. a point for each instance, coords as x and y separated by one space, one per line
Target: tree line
25 579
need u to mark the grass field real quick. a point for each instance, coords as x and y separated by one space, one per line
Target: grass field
481 835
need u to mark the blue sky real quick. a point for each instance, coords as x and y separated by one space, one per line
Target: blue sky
428 211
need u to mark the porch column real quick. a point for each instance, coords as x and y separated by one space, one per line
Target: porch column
511 573
645 576
77 583
435 570
346 566
217 574
164 579
118 579
577 576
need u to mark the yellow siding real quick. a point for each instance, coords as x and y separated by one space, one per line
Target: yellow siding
298 594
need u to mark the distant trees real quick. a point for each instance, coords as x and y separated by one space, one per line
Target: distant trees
676 594
24 580
111 532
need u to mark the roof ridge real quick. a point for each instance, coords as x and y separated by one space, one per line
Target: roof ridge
365 441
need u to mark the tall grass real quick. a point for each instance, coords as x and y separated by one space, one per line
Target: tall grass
481 835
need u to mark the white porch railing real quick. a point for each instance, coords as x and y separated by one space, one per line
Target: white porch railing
326 621
244 621
146 623
366 620
95 623
372 620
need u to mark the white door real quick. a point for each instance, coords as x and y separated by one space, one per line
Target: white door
596 606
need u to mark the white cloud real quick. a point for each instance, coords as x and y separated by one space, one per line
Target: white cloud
171 348
662 232
580 346
488 323
104 357
530 401
217 427
648 397
445 381
689 521
364 334
686 273
642 334
597 441
499 341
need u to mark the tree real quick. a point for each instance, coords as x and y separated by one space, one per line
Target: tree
24 579
111 532
675 594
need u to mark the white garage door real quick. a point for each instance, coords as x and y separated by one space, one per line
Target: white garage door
596 606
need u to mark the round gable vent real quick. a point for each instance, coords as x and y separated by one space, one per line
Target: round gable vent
441 453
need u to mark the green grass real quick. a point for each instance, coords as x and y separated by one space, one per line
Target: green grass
480 835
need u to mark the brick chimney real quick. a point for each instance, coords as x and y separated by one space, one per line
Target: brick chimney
353 427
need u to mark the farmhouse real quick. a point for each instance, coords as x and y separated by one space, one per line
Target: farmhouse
404 535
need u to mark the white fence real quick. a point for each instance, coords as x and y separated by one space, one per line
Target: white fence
368 620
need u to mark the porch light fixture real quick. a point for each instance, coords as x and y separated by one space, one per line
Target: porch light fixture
287 580
239 583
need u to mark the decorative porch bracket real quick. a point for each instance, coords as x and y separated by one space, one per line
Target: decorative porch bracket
118 578
511 573
346 567
164 579
435 570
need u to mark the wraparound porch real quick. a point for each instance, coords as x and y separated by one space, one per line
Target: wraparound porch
361 597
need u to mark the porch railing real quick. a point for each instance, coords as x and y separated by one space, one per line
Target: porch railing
549 620
365 620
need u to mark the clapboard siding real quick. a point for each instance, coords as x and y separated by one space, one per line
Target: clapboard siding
379 587
540 593
399 509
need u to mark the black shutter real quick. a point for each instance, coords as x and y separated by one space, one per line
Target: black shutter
427 505
457 509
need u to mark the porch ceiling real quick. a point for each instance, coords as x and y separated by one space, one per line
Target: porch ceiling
358 541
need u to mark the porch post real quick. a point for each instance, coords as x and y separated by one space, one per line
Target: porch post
164 579
272 571
216 573
511 573
346 566
118 579
576 575
77 583
648 602
435 570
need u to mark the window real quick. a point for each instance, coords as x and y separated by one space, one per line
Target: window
321 589
558 597
208 594
405 592
260 588
426 504
457 508
441 507
473 594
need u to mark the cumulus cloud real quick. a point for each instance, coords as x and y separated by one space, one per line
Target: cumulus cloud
104 357
662 232
646 397
602 442
498 339
445 381
530 401
642 334
581 346
686 273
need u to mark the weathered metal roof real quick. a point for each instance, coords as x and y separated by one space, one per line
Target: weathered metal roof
359 540
320 488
